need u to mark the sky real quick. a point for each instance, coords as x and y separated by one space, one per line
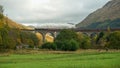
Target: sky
34 12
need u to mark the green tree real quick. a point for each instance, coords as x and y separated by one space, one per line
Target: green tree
1 14
1 9
11 43
4 37
34 39
114 40
66 34
84 41
1 42
93 40
101 40
29 39
74 45
67 40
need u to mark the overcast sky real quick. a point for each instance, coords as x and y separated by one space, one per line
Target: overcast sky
50 11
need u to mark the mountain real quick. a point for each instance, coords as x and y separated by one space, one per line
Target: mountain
107 16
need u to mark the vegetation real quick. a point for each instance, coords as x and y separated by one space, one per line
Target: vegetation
66 35
104 24
10 38
86 59
101 40
49 45
1 9
114 40
29 38
66 40
84 41
69 40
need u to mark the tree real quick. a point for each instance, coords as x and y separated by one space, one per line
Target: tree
114 40
1 12
60 45
29 39
34 39
1 9
93 40
66 34
67 40
11 43
84 41
74 45
101 40
1 42
4 37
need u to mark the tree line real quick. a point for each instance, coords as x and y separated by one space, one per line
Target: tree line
12 38
69 40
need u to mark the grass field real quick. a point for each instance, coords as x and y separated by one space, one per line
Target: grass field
62 60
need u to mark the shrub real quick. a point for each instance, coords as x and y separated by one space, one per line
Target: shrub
60 45
73 45
49 45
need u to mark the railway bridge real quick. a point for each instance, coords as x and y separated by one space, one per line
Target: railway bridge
54 31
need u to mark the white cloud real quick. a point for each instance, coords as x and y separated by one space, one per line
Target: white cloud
50 11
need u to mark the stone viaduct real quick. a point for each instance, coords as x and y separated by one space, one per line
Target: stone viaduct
54 32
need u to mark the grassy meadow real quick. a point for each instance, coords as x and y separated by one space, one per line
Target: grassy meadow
59 59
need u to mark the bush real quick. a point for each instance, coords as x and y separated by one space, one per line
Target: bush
49 45
60 45
71 45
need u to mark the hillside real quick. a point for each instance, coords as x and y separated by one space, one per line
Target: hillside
108 15
13 24
6 21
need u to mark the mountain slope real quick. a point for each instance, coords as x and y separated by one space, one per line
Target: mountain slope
6 21
13 24
108 15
